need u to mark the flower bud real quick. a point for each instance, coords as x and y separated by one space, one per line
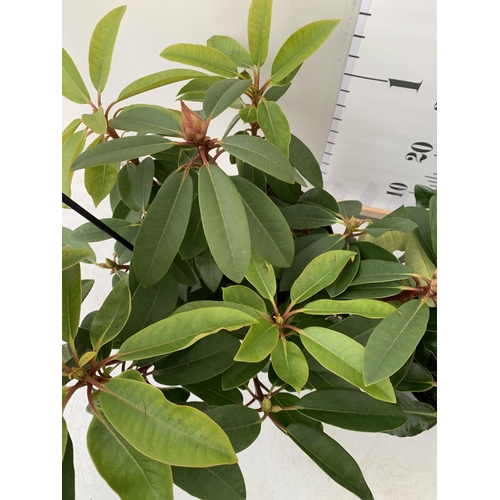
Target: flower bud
193 127
266 405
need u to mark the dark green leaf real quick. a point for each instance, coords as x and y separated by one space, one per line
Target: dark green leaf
417 379
221 95
283 190
331 458
304 161
302 216
346 276
350 208
68 472
372 290
433 222
357 327
89 233
394 340
208 269
224 222
390 224
260 154
240 373
276 92
291 416
213 483
380 271
269 234
423 195
369 250
125 148
71 302
163 229
321 198
352 410
148 120
212 393
194 241
177 395
205 359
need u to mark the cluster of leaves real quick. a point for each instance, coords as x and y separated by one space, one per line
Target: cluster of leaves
234 276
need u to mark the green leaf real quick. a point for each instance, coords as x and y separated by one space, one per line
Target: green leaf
211 392
302 216
259 29
291 416
369 250
346 276
181 330
352 410
102 45
260 154
423 195
156 80
259 342
67 240
305 162
221 95
274 124
433 222
240 423
290 364
232 49
394 340
123 149
240 373
421 416
202 57
372 290
261 275
163 229
417 379
99 181
71 302
276 92
213 483
73 87
305 256
68 472
319 273
70 150
127 471
148 120
208 269
301 45
96 121
356 327
151 304
224 222
207 358
163 431
344 357
70 129
64 436
248 114
380 271
244 295
374 309
390 224
284 191
417 260
89 233
112 316
321 198
331 458
72 256
269 233
202 304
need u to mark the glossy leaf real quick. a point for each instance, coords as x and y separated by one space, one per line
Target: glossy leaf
274 125
352 410
212 483
112 316
290 364
261 275
181 330
127 471
102 45
71 302
291 416
346 276
99 181
205 359
301 45
380 271
240 373
321 198
176 435
163 229
260 154
269 234
224 222
423 195
232 49
208 269
307 255
259 342
201 56
302 158
374 309
212 393
357 327
344 357
68 472
289 193
96 121
258 30
421 416
194 241
244 295
151 304
369 250
319 273
433 222
276 92
222 94
123 149
73 87
417 379
156 80
331 458
148 119
302 216
394 340
372 290
390 224
240 423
